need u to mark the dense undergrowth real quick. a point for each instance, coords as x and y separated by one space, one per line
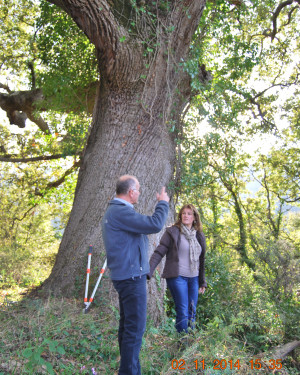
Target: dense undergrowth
53 336
241 320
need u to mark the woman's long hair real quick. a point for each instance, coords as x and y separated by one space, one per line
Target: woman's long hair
196 223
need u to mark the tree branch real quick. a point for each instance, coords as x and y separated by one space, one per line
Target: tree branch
10 159
279 8
5 87
32 72
60 181
262 113
20 105
14 219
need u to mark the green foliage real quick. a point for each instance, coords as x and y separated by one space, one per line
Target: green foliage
254 301
29 237
33 215
236 302
67 58
34 355
34 209
278 262
250 66
53 335
17 19
281 170
36 198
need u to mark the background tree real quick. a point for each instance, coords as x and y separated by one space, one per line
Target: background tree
212 168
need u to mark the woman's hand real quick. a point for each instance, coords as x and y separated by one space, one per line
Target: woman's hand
202 290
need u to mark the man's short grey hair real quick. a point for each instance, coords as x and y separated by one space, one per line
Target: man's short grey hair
124 185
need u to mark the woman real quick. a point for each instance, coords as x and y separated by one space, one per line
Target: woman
184 246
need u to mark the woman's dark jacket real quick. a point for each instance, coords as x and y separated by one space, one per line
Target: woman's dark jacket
169 245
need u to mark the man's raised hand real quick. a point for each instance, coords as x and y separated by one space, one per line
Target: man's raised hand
163 196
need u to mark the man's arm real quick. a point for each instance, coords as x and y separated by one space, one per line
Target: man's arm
134 222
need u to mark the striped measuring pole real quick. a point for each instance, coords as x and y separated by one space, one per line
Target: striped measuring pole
88 271
96 287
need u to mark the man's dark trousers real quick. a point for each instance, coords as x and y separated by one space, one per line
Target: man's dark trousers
133 314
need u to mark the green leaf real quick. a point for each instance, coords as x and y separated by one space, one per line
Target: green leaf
27 353
50 368
52 346
61 350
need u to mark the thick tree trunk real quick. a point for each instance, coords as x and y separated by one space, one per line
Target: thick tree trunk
123 140
138 107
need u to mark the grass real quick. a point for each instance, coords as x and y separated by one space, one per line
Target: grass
39 335
53 336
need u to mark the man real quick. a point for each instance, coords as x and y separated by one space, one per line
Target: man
124 234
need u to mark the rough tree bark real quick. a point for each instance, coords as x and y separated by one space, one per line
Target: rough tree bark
142 93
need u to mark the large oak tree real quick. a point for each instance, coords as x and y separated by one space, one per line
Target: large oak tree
141 48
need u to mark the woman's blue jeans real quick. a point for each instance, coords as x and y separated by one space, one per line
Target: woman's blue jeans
184 291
